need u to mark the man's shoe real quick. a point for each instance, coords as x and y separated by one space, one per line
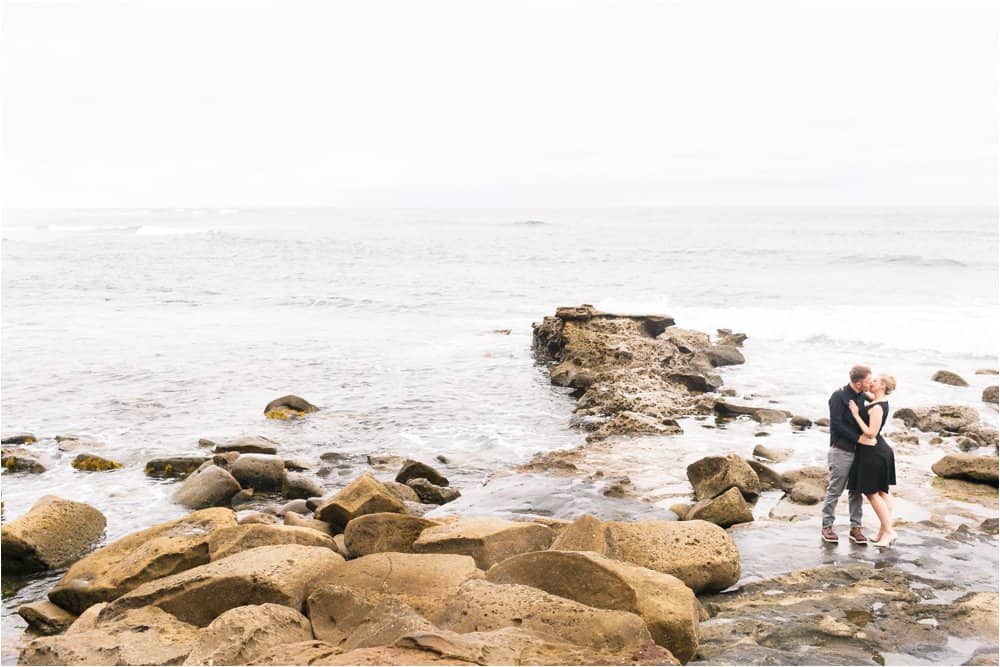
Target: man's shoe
829 536
858 537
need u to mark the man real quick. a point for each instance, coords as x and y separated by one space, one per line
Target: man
844 436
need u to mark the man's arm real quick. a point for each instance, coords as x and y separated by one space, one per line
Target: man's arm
839 415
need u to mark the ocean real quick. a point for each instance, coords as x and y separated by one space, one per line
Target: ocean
149 329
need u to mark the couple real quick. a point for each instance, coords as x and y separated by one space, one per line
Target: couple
860 459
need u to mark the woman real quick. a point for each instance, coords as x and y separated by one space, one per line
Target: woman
874 462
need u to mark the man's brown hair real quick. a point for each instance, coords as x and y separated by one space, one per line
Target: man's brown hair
859 373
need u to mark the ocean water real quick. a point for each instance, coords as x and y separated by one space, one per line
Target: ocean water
149 329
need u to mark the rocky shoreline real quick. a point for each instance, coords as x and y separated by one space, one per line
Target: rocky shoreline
408 569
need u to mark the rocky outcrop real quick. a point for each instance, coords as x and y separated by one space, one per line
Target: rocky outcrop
243 634
949 418
714 475
156 552
947 377
631 374
383 531
365 495
487 540
209 486
288 407
726 509
52 534
228 541
969 467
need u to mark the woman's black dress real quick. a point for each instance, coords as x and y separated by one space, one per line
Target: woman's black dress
874 468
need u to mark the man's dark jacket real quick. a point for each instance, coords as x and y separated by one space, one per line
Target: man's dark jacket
844 430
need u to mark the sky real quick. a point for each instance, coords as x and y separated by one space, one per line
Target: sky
495 104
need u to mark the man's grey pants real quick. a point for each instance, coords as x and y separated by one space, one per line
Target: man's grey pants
839 463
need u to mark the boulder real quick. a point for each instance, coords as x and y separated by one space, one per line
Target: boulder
423 581
680 509
990 394
350 619
241 497
488 540
282 574
724 355
243 634
324 653
769 416
297 506
52 534
18 439
668 607
402 491
724 510
45 618
414 469
770 454
228 541
713 475
947 377
727 409
822 421
20 459
156 552
800 423
94 463
727 337
247 517
300 485
768 476
383 531
146 636
288 407
210 486
263 472
248 444
968 466
699 553
174 466
808 491
987 371
293 519
951 418
985 436
432 494
365 495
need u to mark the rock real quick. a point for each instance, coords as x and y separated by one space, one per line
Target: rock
52 534
724 510
351 619
762 415
45 618
402 491
18 439
965 443
383 531
174 466
432 494
93 463
990 394
792 477
769 454
487 539
160 551
681 510
808 491
990 526
967 466
278 574
297 506
769 478
725 355
324 653
769 416
985 436
800 423
947 377
822 421
987 371
19 459
261 471
983 656
295 465
385 461
224 460
288 407
951 418
713 475
248 444
423 581
248 517
414 469
241 497
299 485
243 634
208 487
228 541
147 636
365 495
727 337
293 519
667 606
441 458
700 554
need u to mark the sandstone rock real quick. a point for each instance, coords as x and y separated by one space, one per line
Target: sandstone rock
288 407
94 463
174 466
713 475
261 471
726 509
248 444
793 477
147 636
383 531
299 485
801 423
248 517
432 494
987 371
156 552
947 377
414 469
822 421
725 355
19 459
293 519
350 619
423 581
243 634
808 491
769 454
985 436
341 545
487 539
700 554
18 439
278 574
365 495
45 618
52 534
967 466
385 461
208 487
990 394
228 541
727 337
667 606
680 509
242 497
769 416
402 491
950 418
324 653
769 478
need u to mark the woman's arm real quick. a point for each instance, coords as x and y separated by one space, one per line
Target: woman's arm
874 419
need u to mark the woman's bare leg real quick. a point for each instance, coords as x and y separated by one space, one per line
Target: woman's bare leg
884 517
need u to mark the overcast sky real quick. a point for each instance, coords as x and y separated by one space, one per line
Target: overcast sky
501 103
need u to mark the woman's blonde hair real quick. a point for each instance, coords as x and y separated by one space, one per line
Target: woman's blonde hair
890 384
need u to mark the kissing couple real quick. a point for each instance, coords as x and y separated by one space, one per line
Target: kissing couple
860 459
